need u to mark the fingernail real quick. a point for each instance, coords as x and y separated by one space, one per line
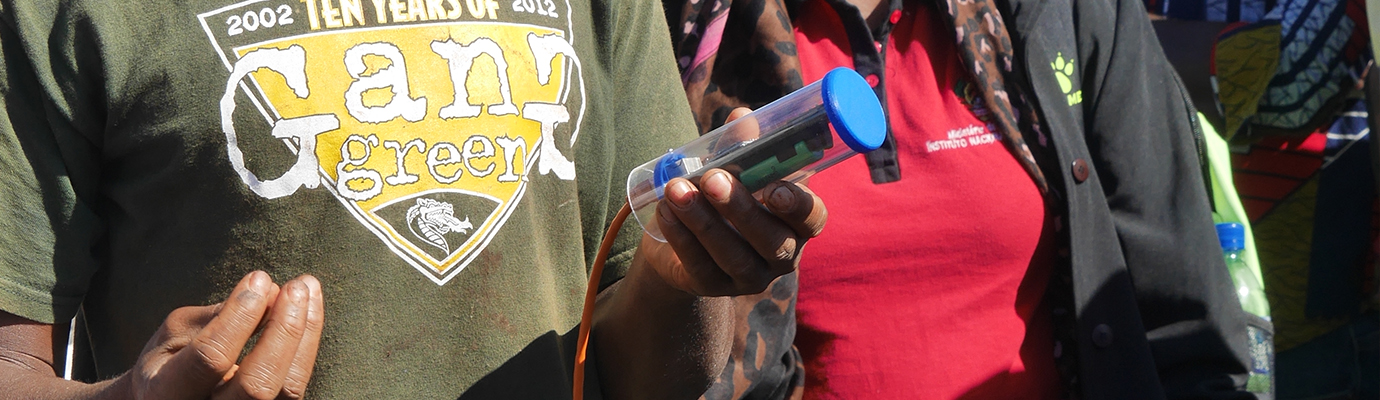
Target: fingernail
297 293
782 199
258 282
680 193
313 285
718 186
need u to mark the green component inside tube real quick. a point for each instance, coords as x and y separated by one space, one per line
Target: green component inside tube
773 169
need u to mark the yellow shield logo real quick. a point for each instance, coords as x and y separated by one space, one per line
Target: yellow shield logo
423 122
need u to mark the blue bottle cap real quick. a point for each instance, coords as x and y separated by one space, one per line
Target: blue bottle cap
667 168
853 110
1231 235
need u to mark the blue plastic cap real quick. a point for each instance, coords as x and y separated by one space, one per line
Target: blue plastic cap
666 168
1231 235
853 110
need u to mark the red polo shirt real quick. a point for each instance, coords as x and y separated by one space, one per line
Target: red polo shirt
931 286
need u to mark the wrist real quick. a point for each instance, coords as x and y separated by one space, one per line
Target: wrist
647 290
27 384
654 340
119 388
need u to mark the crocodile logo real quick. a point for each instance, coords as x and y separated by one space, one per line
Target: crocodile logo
1063 72
431 220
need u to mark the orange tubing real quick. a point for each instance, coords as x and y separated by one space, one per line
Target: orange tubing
591 292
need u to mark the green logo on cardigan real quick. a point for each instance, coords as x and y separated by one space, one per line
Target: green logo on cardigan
1063 72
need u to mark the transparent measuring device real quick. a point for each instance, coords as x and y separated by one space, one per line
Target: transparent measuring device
789 139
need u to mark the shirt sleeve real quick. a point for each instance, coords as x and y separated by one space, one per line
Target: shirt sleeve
650 116
48 163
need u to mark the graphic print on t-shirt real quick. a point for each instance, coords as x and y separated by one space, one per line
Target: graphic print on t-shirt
423 117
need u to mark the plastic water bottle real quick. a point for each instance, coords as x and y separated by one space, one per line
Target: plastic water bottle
1260 333
1248 288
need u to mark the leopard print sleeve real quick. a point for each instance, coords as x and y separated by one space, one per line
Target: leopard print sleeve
764 363
757 64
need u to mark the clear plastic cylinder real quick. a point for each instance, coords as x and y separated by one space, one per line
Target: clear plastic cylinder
789 139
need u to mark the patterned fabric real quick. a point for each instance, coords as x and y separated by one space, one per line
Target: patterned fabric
1304 195
759 65
764 363
1212 10
1319 51
1243 62
1319 60
985 46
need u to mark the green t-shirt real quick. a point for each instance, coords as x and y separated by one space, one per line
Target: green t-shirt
445 167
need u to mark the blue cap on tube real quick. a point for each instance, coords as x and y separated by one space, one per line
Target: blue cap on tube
666 168
853 110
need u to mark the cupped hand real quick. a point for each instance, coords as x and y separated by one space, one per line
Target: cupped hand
727 242
194 354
